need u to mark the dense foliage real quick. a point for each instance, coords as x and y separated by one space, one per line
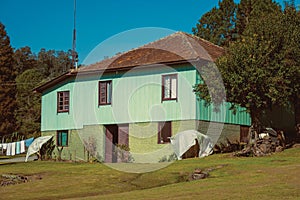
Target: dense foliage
20 72
7 86
261 68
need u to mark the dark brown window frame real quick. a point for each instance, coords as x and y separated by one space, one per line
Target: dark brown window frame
163 98
161 126
101 103
59 134
65 102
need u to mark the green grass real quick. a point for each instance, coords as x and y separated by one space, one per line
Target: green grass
271 177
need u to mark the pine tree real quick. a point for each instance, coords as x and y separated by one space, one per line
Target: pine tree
218 25
7 84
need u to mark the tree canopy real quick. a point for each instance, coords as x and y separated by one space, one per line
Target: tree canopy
218 25
20 72
7 87
261 68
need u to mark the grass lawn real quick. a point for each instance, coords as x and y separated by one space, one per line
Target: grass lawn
271 177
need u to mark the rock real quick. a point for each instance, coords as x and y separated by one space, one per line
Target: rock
199 176
197 171
279 149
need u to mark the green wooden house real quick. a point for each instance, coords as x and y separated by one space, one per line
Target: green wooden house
137 100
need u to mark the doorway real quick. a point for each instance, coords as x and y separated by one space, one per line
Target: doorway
115 134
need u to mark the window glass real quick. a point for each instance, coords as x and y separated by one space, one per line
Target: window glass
63 101
105 92
169 87
62 138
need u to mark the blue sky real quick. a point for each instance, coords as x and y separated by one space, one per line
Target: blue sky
49 24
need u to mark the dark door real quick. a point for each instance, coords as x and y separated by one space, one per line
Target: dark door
115 134
111 140
123 141
244 132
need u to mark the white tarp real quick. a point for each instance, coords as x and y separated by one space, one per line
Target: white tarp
183 141
36 145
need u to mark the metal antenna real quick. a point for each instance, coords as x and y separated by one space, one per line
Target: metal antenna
74 53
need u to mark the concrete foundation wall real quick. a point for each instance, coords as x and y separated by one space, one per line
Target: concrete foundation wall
143 142
219 132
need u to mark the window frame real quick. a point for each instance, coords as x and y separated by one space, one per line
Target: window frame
100 103
59 138
64 104
162 127
170 98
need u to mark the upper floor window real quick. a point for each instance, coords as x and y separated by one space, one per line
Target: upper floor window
169 87
105 92
62 138
63 101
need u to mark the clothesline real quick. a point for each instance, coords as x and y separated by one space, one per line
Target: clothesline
15 148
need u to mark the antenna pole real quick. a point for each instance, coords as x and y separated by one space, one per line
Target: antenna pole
74 53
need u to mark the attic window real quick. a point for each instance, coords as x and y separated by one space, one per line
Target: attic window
169 87
63 101
105 92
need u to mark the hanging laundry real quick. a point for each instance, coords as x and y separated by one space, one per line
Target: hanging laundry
22 146
28 142
4 145
13 148
8 149
18 148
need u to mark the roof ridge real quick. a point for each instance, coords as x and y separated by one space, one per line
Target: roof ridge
189 43
185 36
160 39
133 49
204 40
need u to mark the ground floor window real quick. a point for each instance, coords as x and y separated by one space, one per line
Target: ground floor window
62 138
164 132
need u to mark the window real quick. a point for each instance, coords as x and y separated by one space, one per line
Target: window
62 138
105 92
169 87
63 101
164 132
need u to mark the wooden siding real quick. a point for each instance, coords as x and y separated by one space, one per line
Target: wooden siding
224 115
136 98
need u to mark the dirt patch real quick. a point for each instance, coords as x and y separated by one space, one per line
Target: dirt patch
13 179
197 174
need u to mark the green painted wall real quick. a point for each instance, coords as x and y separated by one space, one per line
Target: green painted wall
137 101
224 115
136 98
